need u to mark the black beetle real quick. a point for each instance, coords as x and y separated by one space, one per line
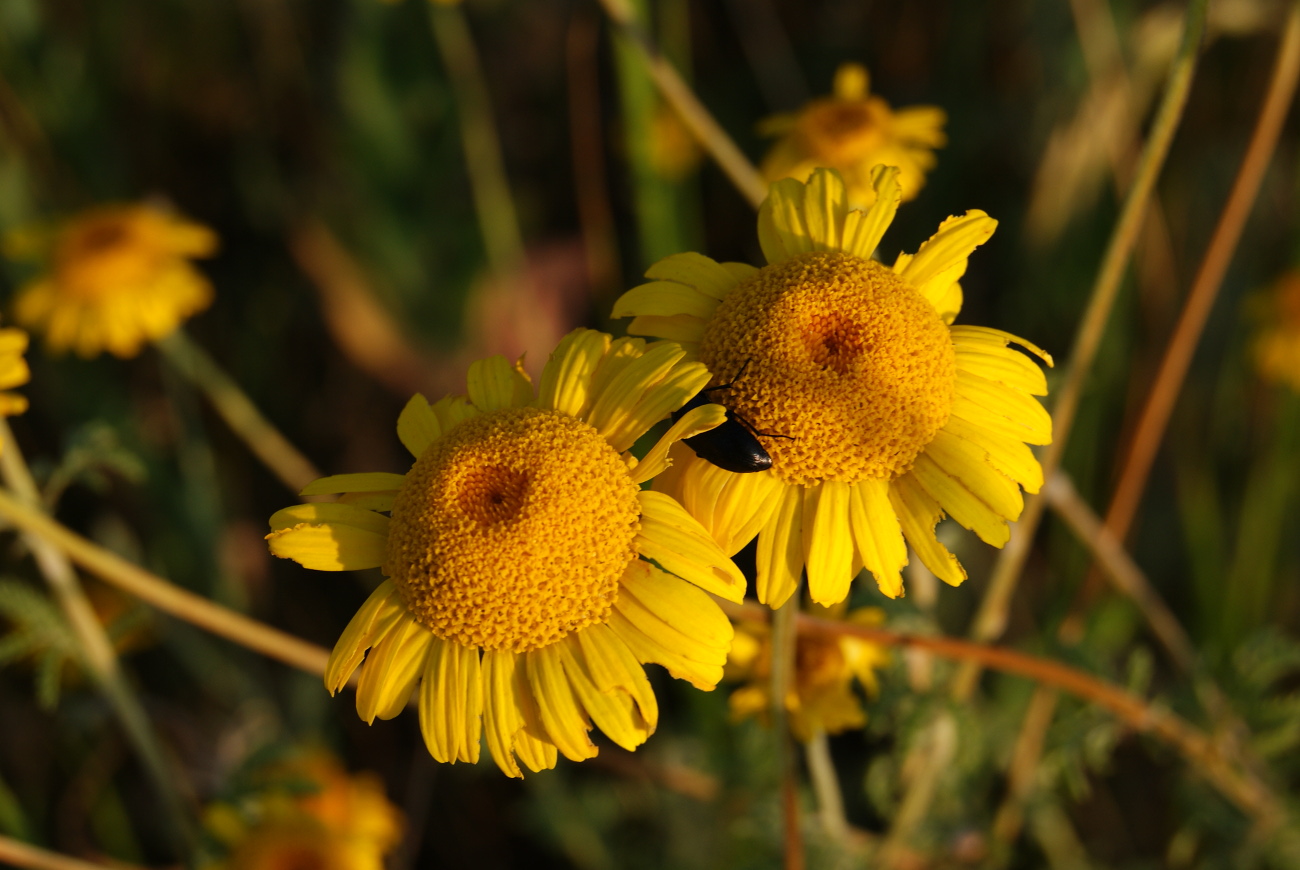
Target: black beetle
732 446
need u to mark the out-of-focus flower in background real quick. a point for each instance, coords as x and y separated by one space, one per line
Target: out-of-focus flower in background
888 416
821 698
518 600
306 812
853 131
13 370
1276 348
115 277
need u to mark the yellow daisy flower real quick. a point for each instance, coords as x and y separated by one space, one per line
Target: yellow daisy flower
821 699
853 131
13 370
119 275
310 814
519 590
1276 348
879 415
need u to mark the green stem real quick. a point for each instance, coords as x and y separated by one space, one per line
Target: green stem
991 618
96 649
489 186
267 443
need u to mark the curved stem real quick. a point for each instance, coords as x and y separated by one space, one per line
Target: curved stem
97 653
730 159
167 597
19 854
990 620
1200 299
241 415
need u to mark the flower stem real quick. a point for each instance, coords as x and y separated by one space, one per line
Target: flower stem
733 162
96 649
1177 359
991 618
19 854
167 597
267 443
498 222
826 785
784 648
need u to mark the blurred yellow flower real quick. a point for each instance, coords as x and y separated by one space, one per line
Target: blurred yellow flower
1276 347
674 153
518 592
13 370
821 699
853 131
307 813
118 276
880 416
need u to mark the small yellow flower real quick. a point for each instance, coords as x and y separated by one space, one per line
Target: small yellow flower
309 813
1276 348
821 699
118 276
888 416
519 590
853 131
13 370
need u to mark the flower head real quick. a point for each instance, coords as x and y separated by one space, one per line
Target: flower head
519 590
853 131
305 814
1276 347
821 698
880 415
118 276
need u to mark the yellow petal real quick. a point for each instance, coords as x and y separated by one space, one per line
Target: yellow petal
966 462
675 327
451 702
614 712
827 541
371 501
692 423
863 230
373 481
993 398
877 534
1004 365
694 270
946 252
781 230
329 547
677 541
825 208
733 508
502 717
379 614
780 550
566 725
451 410
681 605
613 667
332 513
1006 454
613 403
495 384
652 640
417 425
566 380
656 402
917 514
392 669
997 338
664 298
960 503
